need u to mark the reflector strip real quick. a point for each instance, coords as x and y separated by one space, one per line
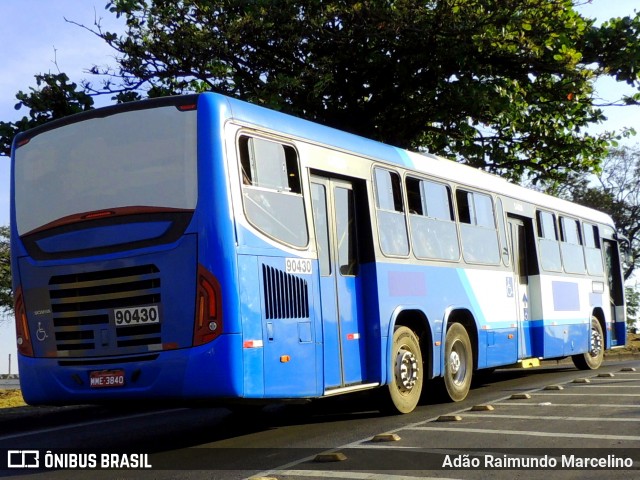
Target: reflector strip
253 344
353 336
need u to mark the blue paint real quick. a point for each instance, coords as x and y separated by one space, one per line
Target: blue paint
289 361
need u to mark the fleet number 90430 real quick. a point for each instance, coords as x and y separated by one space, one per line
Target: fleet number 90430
298 266
136 315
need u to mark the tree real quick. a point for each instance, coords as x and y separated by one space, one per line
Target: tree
632 297
6 297
54 97
616 191
505 85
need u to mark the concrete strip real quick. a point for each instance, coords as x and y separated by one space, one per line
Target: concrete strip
551 417
351 475
485 431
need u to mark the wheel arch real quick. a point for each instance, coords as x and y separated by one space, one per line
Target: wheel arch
415 319
464 317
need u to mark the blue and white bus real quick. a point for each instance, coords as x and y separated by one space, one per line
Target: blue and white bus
202 248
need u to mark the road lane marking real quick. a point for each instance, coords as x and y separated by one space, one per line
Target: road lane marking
88 423
364 443
591 385
564 393
551 417
529 433
605 405
352 475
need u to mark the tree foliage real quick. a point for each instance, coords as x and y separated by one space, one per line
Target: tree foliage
616 191
504 85
6 297
53 97
632 298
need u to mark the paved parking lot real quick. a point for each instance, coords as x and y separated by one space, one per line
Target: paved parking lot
586 427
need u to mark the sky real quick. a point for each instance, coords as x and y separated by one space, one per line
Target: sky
36 38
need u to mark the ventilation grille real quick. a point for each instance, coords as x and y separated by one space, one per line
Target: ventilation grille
82 303
285 295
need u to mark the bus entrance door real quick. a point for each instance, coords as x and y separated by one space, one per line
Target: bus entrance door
340 282
518 234
616 292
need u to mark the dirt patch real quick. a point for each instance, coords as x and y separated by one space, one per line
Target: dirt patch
632 345
11 398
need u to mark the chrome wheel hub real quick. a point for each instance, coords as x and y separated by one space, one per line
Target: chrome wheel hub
406 370
596 343
454 363
457 363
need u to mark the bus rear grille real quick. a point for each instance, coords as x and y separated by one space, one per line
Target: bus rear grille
285 295
81 305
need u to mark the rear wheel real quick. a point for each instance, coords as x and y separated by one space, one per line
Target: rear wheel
458 363
592 359
403 393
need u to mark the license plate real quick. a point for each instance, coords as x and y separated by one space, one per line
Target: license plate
106 378
136 315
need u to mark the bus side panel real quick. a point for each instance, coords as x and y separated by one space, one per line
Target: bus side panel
213 369
566 316
216 235
251 317
288 330
442 289
493 306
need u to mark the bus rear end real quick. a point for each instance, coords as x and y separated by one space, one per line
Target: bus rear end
112 302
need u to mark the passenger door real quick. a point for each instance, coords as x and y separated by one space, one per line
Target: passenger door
518 237
340 282
615 283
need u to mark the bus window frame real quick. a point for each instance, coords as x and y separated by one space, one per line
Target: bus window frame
413 176
473 222
379 209
285 143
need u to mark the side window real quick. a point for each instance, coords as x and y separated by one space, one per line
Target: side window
271 190
477 227
548 242
592 251
571 246
433 230
392 228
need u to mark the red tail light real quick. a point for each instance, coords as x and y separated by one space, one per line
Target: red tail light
23 337
208 321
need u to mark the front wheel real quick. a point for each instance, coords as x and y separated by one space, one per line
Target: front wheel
403 393
458 362
592 359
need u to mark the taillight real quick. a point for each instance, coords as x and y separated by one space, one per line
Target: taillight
208 321
23 338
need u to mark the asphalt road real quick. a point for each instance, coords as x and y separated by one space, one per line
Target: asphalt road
593 422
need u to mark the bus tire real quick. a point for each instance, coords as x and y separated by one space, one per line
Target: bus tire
458 363
592 359
403 392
